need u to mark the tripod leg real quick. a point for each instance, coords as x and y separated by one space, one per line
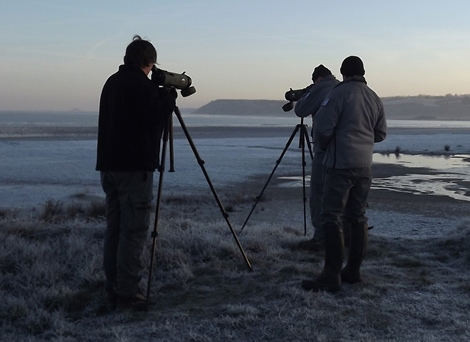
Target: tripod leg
309 144
154 233
289 141
170 136
201 164
304 140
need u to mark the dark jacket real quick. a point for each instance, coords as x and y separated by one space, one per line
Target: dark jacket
133 113
350 120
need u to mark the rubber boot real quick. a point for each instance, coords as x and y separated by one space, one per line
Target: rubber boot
315 244
358 245
330 278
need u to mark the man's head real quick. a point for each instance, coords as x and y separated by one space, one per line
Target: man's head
140 53
352 66
320 72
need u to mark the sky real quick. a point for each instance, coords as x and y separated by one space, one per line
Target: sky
57 54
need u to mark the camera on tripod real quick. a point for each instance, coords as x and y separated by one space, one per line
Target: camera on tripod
170 79
292 96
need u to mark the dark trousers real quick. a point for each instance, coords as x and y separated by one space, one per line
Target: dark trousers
317 184
345 196
128 199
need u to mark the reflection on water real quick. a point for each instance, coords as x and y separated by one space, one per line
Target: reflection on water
433 162
450 175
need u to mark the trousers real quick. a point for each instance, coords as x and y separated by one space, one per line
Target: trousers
345 196
128 203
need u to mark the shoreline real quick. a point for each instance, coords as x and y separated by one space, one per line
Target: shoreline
86 132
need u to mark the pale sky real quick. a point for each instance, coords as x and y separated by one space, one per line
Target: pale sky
57 54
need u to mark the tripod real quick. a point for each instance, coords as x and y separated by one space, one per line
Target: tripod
168 132
303 140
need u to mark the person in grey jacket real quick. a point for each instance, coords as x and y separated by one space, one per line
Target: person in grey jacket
308 104
350 120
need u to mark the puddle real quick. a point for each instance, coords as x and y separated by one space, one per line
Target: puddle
451 175
433 162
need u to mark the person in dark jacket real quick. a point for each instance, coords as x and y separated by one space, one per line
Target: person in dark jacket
132 116
308 104
350 120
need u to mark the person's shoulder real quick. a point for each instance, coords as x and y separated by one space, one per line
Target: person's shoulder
337 88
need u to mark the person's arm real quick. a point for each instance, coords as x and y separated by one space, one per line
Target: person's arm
380 129
325 121
309 103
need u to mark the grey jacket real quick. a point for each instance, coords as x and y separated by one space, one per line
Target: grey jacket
310 102
350 120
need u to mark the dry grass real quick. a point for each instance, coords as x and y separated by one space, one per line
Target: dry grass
56 211
52 285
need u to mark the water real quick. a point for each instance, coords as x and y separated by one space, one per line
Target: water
427 124
433 175
34 170
290 120
450 175
205 120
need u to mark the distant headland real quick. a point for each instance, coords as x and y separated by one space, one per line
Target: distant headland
421 107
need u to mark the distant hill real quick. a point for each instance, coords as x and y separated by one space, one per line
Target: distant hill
243 107
422 107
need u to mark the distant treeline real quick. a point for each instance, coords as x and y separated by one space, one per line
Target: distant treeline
420 107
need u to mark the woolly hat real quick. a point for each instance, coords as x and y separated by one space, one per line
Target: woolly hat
352 66
320 71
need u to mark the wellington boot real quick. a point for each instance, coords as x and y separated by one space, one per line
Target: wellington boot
314 245
350 276
358 245
137 302
326 281
330 278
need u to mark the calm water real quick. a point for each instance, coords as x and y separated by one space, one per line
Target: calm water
451 174
450 177
291 120
284 120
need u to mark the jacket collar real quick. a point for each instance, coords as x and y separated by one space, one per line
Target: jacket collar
352 79
356 79
130 67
